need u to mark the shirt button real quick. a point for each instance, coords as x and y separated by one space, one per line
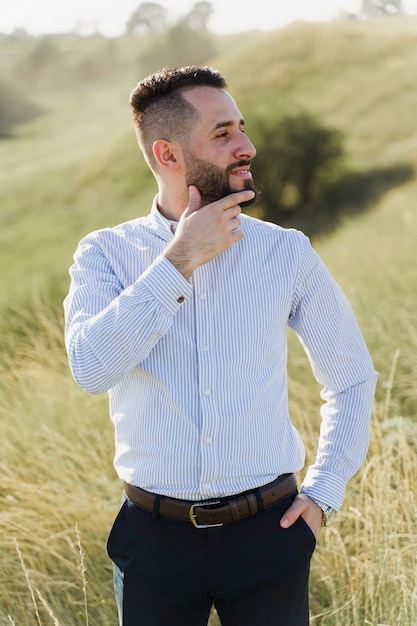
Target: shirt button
180 299
204 348
207 392
202 296
207 440
206 486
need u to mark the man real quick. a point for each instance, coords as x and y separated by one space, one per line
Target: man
182 317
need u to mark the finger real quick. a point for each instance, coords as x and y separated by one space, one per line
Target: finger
235 198
289 517
194 200
292 513
233 212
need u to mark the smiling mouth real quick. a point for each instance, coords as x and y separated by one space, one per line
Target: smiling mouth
242 173
241 170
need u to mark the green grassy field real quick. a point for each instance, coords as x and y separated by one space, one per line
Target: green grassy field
78 168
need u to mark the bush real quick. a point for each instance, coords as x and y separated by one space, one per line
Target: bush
14 108
297 159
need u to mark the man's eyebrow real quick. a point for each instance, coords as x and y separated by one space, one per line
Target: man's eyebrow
228 124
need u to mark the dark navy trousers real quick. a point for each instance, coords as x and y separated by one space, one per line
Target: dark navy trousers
169 573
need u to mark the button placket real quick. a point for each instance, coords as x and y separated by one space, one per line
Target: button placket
205 369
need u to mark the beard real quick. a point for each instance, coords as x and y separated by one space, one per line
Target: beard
212 181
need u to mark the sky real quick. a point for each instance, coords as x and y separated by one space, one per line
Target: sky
109 17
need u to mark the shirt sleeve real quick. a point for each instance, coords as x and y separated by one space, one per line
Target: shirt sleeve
110 330
326 326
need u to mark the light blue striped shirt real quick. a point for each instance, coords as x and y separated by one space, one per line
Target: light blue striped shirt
196 370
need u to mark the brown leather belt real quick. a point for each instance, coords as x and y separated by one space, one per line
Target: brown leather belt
215 512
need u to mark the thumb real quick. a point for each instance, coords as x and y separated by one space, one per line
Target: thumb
194 200
293 512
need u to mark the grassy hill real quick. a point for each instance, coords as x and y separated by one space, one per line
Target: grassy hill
77 168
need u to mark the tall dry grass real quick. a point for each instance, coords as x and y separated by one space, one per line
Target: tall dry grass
57 485
365 567
59 495
58 490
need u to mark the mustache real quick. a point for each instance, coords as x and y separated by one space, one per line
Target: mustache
240 163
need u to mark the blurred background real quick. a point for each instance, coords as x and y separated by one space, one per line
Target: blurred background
329 94
224 16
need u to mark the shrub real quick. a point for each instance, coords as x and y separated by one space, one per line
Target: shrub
297 159
14 108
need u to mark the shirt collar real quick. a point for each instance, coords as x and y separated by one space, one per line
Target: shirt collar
161 224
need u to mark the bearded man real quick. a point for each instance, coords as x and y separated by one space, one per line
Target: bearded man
182 317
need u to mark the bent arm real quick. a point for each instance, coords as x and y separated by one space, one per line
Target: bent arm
327 328
343 442
109 329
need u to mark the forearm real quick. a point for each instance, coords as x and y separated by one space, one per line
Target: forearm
343 442
106 342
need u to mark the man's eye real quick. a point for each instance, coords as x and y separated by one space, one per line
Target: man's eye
225 133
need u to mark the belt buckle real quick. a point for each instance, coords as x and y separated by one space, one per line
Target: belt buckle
193 515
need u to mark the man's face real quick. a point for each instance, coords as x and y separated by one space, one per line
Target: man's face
218 154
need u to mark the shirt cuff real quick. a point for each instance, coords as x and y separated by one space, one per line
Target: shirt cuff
325 487
167 285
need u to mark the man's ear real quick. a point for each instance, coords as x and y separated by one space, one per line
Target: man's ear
166 154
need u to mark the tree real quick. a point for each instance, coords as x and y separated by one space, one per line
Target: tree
44 62
297 158
198 18
374 8
187 42
149 17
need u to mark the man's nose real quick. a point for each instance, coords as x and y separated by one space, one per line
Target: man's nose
246 149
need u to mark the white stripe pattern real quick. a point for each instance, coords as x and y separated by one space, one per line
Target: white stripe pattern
196 370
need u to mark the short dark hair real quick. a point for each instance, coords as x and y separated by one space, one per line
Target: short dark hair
158 108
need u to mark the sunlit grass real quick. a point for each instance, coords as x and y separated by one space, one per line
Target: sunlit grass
56 474
78 169
59 495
